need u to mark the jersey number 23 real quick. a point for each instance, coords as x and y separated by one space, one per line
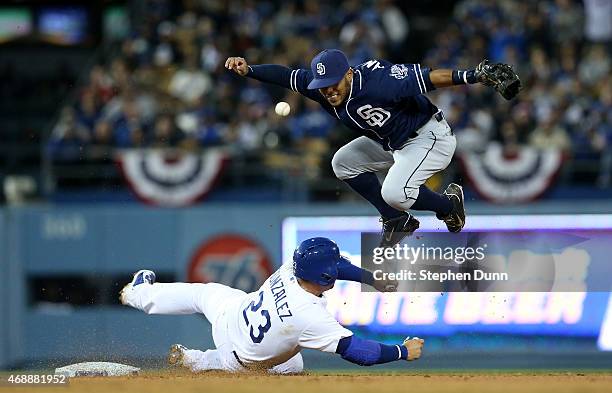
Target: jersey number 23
261 329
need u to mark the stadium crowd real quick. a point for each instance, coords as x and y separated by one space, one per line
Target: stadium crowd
165 85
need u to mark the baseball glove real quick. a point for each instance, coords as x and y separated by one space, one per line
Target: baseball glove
501 76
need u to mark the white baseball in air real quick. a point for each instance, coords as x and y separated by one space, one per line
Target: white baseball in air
282 108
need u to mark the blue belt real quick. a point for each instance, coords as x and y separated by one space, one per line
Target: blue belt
439 116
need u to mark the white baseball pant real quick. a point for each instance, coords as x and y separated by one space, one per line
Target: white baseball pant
409 167
210 300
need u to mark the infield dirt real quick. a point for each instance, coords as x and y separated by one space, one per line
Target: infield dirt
319 382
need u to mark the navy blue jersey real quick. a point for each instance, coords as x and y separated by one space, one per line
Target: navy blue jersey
385 103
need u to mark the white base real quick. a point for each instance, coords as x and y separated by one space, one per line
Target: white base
97 369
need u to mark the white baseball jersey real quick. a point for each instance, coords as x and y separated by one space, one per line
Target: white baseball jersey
272 324
264 329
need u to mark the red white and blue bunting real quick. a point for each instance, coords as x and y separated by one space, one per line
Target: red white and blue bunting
522 177
168 177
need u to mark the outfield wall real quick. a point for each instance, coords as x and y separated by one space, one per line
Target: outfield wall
235 244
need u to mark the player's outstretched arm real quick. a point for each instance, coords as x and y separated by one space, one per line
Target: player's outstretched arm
367 352
325 334
279 75
500 76
349 272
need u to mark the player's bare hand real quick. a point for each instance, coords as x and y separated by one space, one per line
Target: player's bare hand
386 285
415 347
238 64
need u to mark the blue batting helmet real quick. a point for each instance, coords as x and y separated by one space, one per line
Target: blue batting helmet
316 260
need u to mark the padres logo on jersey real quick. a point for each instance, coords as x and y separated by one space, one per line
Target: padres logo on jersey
399 71
373 116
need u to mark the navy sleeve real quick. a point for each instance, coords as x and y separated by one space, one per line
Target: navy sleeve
367 352
296 80
301 79
349 272
408 80
271 73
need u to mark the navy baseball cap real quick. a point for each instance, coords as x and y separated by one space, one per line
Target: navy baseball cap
328 68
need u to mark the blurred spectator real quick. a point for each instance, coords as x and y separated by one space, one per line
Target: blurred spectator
100 84
587 142
87 109
102 142
103 134
549 135
566 21
394 23
68 137
209 131
166 53
312 122
595 65
189 83
129 129
598 25
475 136
510 139
165 133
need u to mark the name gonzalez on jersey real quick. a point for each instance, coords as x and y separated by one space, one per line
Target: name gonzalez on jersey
277 287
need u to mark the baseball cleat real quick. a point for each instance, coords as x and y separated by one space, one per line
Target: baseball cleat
455 220
140 277
395 229
176 356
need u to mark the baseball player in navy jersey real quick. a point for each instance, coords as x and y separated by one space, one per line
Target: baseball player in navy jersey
401 131
266 329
